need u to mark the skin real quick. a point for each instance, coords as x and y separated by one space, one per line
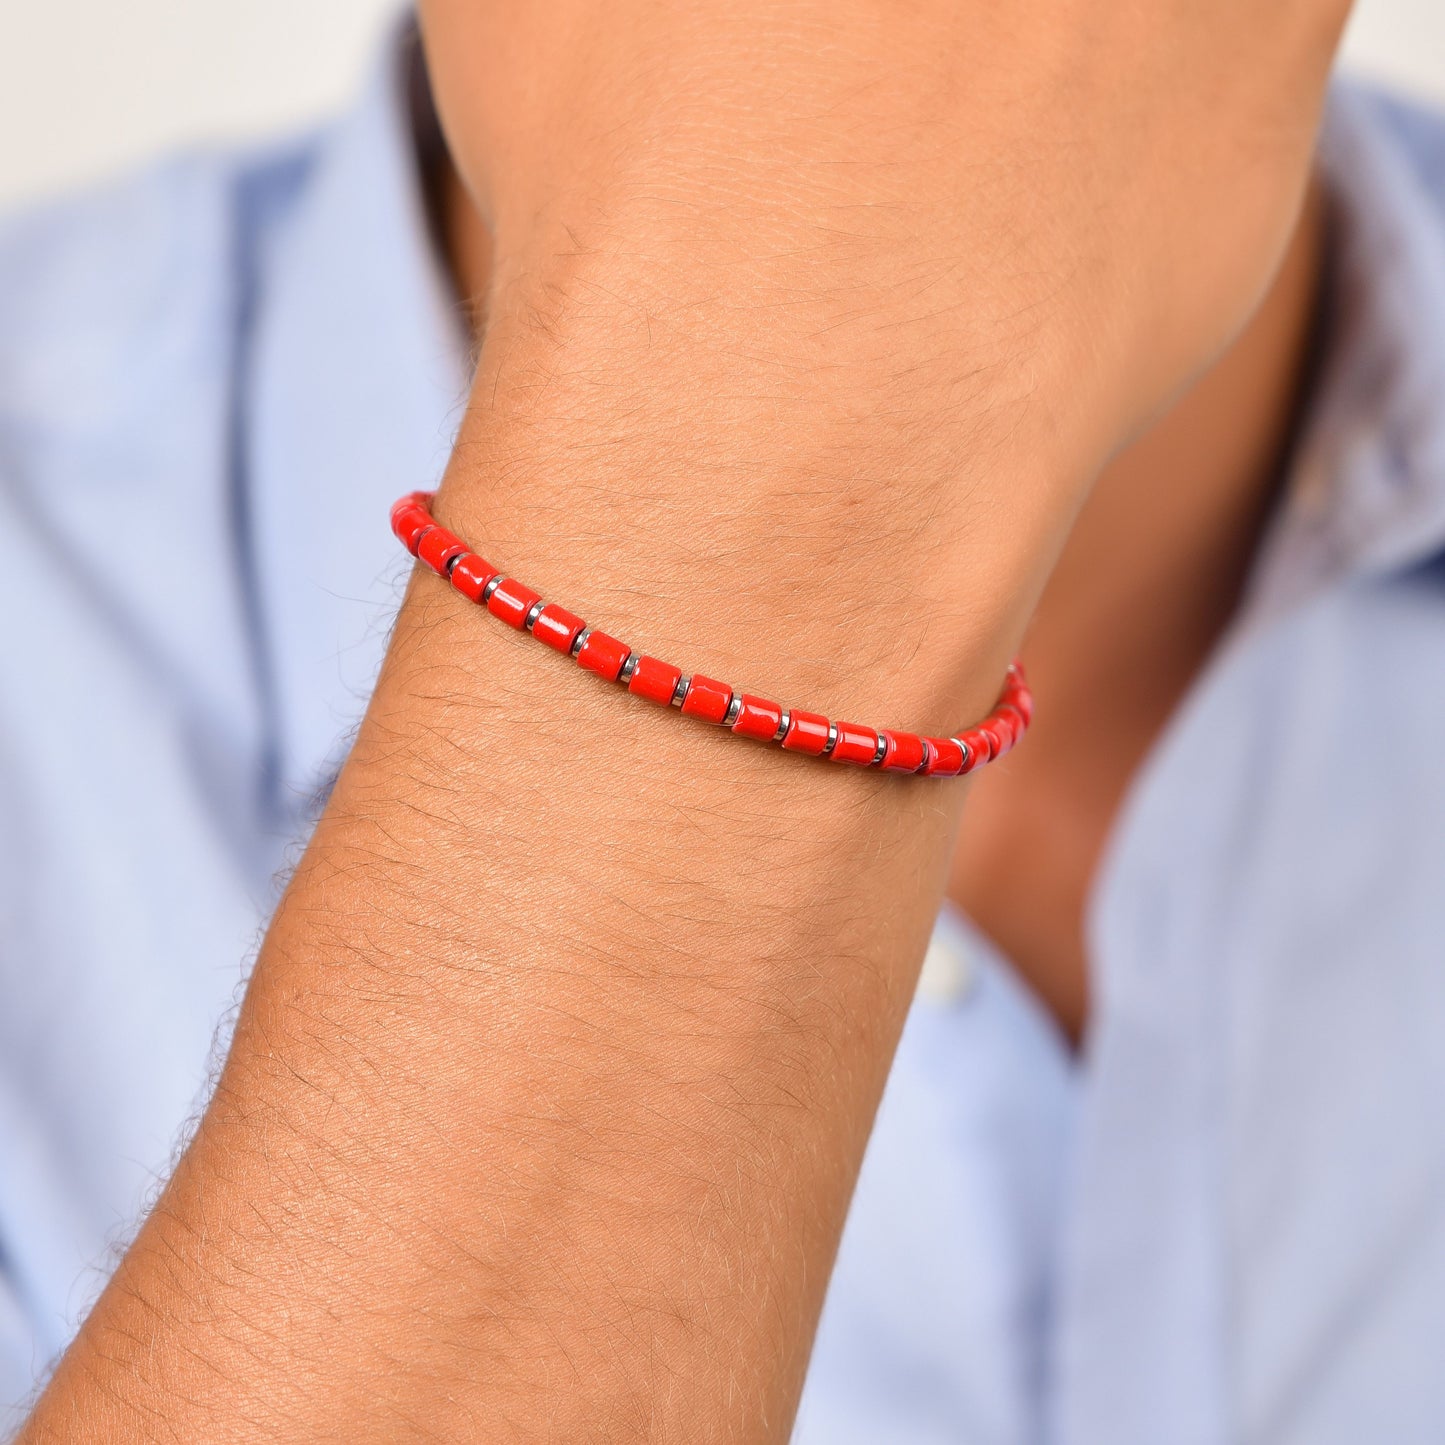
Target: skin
1148 580
809 328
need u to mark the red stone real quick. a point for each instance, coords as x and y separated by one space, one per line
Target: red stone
902 752
512 601
556 626
707 698
654 680
999 735
410 517
759 718
471 574
1008 715
856 744
945 758
980 747
807 733
436 547
603 655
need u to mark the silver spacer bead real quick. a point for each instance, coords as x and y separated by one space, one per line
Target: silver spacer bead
679 693
967 753
580 641
881 753
783 726
628 668
533 613
491 587
832 739
734 708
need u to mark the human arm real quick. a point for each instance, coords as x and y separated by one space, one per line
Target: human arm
551 1085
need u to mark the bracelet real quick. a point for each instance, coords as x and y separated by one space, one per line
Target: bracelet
808 733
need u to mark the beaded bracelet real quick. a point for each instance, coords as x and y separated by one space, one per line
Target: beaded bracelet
809 733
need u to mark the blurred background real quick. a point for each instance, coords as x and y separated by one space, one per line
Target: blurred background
87 86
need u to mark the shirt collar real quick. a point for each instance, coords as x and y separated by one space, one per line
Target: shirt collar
357 377
1367 491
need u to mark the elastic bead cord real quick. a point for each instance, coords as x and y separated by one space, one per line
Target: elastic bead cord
808 733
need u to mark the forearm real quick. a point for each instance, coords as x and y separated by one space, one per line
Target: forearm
551 1085
549 1091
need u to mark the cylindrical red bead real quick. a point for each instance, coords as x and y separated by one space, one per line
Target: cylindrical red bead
707 698
856 744
1022 700
471 574
409 524
807 733
512 601
654 680
945 759
902 752
1000 730
1000 737
1007 714
980 747
437 547
759 718
603 655
410 517
557 627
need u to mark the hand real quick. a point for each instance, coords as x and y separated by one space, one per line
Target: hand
947 208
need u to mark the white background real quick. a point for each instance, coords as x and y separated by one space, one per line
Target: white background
87 86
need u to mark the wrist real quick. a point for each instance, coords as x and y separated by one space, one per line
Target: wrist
759 507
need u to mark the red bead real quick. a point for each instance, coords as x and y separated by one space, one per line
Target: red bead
980 748
856 744
759 718
1007 714
999 737
410 517
945 757
409 524
1000 730
556 627
902 752
1006 722
436 547
707 698
807 733
1022 701
471 574
603 655
654 680
512 601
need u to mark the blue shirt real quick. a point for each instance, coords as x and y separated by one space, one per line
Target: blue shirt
1225 1222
